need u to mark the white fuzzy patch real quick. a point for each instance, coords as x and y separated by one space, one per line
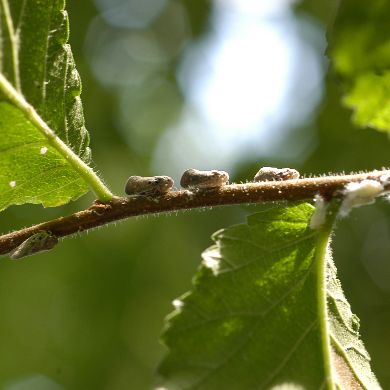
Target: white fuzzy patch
385 179
287 386
357 194
44 150
319 216
12 184
177 303
211 259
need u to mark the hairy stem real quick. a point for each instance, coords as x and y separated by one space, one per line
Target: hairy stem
322 291
85 171
13 38
120 208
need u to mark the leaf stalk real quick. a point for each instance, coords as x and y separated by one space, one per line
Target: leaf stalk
85 171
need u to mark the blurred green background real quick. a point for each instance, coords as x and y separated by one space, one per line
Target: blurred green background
169 85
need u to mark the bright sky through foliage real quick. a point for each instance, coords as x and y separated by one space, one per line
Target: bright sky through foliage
253 77
244 86
130 13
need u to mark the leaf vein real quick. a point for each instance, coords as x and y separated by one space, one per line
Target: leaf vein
249 314
288 355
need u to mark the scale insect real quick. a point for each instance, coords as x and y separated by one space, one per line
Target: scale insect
194 179
39 242
276 174
148 186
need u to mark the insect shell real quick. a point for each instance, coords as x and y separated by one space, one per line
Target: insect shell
148 186
42 241
278 174
194 179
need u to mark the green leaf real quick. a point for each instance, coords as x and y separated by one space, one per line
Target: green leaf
257 316
350 359
41 161
360 50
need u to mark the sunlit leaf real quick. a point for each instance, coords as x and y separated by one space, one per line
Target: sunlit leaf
360 50
257 316
36 60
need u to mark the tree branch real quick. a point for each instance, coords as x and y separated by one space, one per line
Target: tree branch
120 208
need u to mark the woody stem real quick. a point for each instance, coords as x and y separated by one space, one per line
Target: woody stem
120 208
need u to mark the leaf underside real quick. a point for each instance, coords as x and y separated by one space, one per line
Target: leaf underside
254 318
360 50
36 60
